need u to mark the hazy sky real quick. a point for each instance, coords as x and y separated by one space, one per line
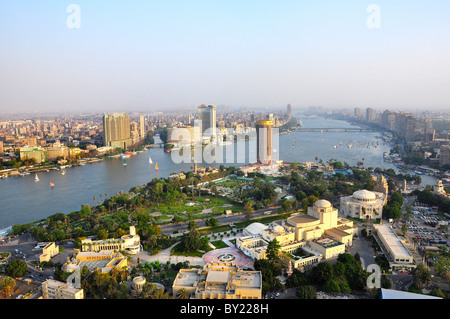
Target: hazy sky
159 55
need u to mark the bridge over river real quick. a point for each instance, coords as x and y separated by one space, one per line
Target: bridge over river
334 129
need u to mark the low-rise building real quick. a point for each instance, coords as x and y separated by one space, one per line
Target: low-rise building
321 233
49 251
219 281
363 204
129 243
399 257
54 289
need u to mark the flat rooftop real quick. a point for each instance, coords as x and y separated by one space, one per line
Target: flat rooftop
395 244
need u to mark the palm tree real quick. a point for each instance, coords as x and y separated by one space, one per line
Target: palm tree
183 294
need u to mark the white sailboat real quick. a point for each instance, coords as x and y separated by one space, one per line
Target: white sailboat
36 178
150 160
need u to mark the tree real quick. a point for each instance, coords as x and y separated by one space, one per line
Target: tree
7 284
16 268
421 276
248 209
102 234
273 249
306 292
183 293
331 286
322 273
151 291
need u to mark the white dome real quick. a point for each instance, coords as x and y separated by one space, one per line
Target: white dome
278 229
364 195
255 229
322 203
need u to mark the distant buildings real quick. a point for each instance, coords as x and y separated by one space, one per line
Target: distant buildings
370 115
116 130
219 281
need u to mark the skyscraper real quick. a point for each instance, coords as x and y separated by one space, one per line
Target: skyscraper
207 121
289 110
370 115
264 141
116 130
142 126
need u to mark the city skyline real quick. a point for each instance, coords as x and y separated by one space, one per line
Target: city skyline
145 57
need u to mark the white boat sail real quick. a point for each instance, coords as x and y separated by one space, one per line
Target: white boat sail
36 178
150 160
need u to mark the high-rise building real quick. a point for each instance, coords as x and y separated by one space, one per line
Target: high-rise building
207 121
289 110
264 141
116 130
142 126
370 115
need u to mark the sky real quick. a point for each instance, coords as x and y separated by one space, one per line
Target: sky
145 56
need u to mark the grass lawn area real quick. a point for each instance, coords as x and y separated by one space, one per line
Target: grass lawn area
219 244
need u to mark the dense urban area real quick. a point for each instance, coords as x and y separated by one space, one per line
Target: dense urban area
266 230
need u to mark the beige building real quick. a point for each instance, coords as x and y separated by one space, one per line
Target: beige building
321 233
116 130
53 289
129 243
363 204
38 153
49 251
103 261
219 281
399 257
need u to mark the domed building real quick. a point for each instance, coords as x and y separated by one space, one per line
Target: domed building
363 204
320 232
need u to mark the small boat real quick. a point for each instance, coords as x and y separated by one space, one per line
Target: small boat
150 160
124 162
63 172
36 178
156 166
51 183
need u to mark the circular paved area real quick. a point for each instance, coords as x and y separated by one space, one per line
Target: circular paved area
229 254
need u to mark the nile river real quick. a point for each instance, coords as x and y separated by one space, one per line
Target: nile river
22 200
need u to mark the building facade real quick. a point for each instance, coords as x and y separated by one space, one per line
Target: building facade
129 243
219 281
321 233
116 130
264 141
207 121
54 289
363 204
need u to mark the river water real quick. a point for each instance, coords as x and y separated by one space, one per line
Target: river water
22 200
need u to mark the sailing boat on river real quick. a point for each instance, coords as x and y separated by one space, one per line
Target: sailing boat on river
150 160
36 178
51 183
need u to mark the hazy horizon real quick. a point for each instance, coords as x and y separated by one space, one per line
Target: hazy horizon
149 56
